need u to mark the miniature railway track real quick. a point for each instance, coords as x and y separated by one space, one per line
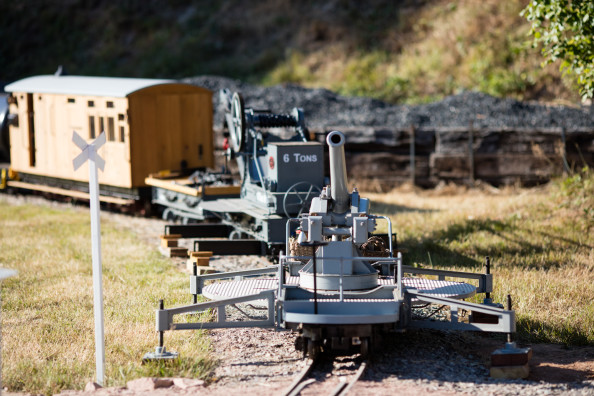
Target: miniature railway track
301 380
312 369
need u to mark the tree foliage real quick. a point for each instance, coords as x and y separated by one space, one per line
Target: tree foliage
565 30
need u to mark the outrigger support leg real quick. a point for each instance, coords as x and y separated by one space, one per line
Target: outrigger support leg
161 352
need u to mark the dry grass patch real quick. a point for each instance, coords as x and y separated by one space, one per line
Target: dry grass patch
47 310
424 52
540 241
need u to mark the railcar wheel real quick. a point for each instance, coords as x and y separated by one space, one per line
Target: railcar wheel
365 347
187 220
236 234
168 215
313 349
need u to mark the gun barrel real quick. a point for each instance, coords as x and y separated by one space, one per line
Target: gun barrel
338 175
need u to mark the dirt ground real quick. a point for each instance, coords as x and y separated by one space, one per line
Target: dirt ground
257 364
249 367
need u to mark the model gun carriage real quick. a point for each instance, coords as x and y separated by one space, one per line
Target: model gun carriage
333 291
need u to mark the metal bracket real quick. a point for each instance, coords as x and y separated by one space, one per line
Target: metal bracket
485 280
506 319
164 317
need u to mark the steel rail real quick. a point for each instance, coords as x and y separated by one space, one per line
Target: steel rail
344 387
299 382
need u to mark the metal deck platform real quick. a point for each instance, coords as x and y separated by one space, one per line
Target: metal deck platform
237 205
431 287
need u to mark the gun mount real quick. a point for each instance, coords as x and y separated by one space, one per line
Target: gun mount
280 171
339 223
334 291
243 123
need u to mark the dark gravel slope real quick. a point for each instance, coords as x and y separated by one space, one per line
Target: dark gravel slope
324 108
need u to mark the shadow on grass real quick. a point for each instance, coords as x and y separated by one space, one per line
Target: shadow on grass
536 331
486 237
565 240
465 244
434 249
390 209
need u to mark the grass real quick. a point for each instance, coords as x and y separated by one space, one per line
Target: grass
541 244
540 241
47 310
430 53
407 52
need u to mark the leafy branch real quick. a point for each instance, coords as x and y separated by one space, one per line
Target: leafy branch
565 30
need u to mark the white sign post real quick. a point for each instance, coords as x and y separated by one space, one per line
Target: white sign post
89 152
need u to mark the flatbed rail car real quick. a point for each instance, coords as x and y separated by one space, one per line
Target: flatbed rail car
181 197
333 290
150 125
280 172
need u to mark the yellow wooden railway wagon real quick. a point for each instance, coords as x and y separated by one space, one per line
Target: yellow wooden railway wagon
151 125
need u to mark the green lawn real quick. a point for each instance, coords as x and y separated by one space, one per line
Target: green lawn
47 310
541 243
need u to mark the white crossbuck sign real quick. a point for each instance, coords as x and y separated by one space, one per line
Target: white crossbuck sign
89 152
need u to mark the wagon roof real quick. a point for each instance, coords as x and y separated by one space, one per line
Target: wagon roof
117 87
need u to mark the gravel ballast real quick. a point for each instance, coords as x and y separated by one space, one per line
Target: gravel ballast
324 108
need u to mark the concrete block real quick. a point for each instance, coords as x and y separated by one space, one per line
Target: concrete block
202 270
204 261
199 261
173 251
511 357
148 384
510 372
186 383
92 386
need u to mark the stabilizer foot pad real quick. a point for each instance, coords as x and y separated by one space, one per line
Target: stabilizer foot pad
160 354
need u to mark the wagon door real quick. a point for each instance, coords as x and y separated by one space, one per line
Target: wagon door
31 129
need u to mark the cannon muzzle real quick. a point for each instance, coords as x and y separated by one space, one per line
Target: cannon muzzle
338 176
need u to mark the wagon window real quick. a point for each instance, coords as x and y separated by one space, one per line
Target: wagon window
122 134
91 103
92 127
110 104
110 129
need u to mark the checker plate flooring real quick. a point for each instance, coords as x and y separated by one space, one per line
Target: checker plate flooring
432 287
